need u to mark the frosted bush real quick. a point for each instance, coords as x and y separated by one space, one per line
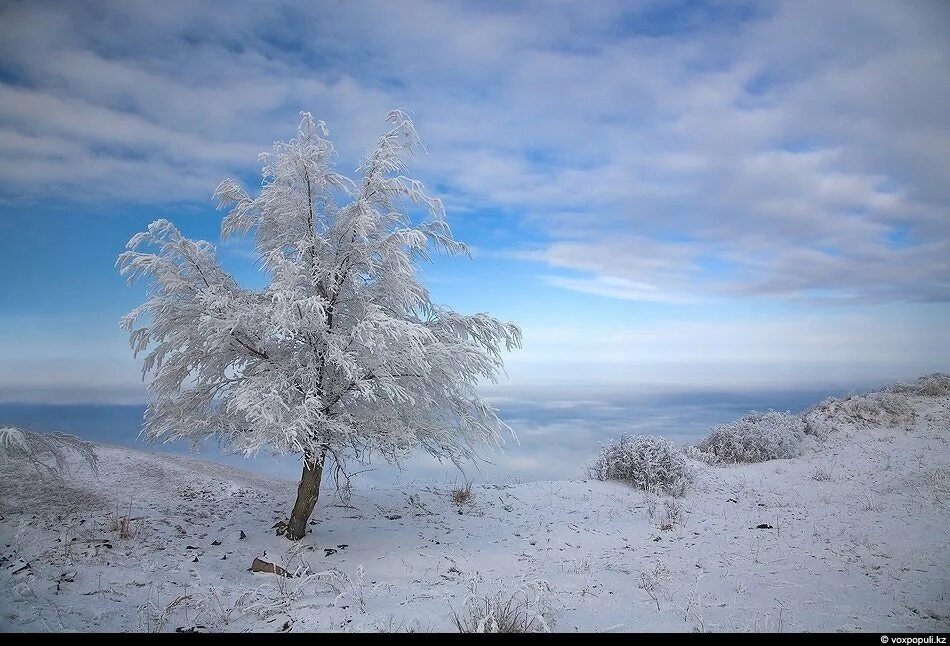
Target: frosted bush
754 437
820 418
645 462
672 514
932 385
873 409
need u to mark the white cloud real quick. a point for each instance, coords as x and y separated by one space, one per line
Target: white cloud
735 348
616 288
776 155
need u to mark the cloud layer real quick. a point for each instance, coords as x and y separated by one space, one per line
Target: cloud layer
656 152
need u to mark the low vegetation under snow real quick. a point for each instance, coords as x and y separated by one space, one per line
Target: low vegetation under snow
848 533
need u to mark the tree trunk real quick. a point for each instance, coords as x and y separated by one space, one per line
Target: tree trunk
307 493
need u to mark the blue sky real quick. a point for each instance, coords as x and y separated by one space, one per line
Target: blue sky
663 194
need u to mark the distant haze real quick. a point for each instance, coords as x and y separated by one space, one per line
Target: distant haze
741 195
558 428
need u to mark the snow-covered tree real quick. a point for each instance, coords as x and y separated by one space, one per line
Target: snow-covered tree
343 352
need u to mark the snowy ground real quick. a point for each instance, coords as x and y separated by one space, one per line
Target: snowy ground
854 535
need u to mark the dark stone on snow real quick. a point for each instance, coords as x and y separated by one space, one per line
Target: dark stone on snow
191 629
260 565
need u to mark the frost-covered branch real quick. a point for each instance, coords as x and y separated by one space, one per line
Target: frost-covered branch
48 453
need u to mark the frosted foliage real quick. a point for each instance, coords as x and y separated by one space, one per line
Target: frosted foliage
870 410
645 462
933 385
48 453
754 437
343 350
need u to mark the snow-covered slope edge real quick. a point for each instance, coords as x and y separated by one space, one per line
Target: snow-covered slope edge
853 535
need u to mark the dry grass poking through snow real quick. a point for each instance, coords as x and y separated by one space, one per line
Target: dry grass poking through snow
462 494
526 610
498 614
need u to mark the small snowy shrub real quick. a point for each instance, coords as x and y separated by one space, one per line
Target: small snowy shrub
754 437
672 514
873 409
938 482
526 610
645 462
122 526
462 494
932 385
822 474
497 614
819 419
653 581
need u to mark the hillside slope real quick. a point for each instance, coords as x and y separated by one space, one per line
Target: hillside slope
854 535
